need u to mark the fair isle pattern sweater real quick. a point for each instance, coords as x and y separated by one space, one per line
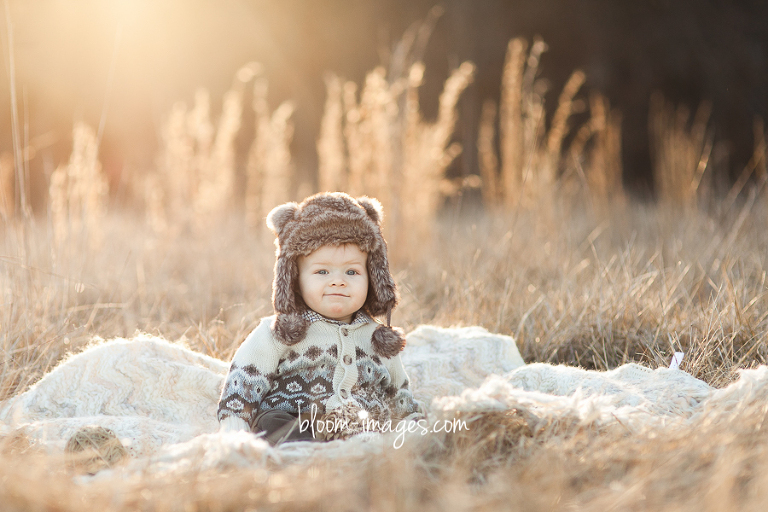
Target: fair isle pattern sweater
335 365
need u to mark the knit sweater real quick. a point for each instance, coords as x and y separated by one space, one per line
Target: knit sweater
335 365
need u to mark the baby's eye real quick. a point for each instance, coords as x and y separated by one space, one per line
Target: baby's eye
323 272
352 272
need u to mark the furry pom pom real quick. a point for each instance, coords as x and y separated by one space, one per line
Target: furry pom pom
372 207
388 341
290 328
280 215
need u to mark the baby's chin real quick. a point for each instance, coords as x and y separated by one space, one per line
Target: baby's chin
337 312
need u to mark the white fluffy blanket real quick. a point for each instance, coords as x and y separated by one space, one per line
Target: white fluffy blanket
160 398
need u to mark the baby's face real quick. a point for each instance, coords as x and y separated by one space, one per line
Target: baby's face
333 280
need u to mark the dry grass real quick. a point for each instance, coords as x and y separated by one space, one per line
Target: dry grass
572 287
592 287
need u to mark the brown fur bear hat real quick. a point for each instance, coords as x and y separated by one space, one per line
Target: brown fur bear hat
331 219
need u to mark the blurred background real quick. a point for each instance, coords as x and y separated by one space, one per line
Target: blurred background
119 66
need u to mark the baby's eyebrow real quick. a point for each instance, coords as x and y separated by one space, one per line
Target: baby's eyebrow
344 263
354 259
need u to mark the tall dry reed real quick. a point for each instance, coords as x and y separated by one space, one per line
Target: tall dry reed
195 181
599 163
374 134
7 187
756 166
78 193
428 150
489 162
269 168
680 149
216 177
388 150
171 193
356 134
332 172
759 153
530 154
511 126
549 158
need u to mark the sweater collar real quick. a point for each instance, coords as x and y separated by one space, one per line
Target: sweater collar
313 316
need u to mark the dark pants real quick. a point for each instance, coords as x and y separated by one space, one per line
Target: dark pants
281 427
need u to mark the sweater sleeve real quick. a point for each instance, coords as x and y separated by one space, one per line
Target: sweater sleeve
250 378
232 424
401 401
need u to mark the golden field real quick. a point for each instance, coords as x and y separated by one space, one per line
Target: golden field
543 246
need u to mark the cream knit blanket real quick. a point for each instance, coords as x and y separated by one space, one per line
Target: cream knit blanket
160 398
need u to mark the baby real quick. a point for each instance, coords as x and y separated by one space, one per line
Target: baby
322 355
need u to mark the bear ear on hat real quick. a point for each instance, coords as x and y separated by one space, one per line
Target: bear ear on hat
281 215
372 207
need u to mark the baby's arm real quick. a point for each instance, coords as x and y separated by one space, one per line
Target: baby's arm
250 378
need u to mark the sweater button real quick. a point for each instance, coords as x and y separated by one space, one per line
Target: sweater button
347 359
344 331
344 393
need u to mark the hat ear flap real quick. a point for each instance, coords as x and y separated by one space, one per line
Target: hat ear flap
280 216
372 207
283 296
384 297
